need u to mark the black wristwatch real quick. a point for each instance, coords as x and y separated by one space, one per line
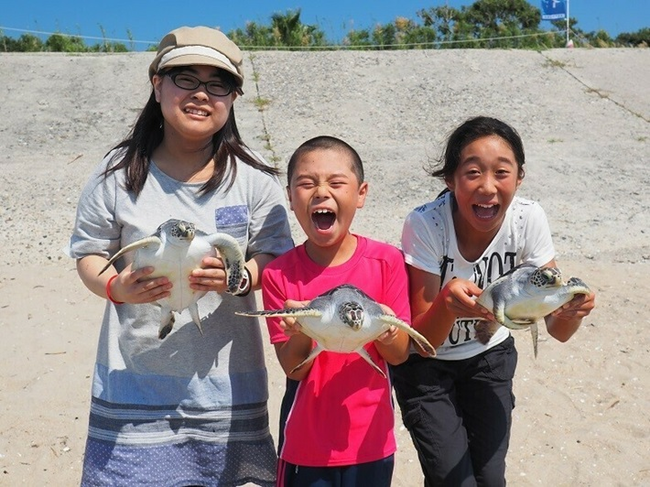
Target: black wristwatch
245 285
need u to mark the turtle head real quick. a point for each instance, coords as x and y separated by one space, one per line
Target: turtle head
351 314
545 277
179 229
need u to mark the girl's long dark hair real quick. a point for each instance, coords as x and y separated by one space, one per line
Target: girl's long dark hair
147 134
471 130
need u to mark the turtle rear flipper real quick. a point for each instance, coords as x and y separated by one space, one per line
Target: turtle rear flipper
534 332
485 330
166 323
312 355
194 313
364 355
523 323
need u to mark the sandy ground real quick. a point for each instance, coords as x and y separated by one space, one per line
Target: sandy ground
582 407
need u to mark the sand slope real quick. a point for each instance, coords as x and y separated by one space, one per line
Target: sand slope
582 408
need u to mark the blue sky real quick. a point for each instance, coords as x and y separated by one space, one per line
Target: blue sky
149 20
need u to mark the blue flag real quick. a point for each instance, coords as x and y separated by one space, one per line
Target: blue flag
553 9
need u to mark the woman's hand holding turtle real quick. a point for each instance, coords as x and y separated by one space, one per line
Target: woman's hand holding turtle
211 277
135 288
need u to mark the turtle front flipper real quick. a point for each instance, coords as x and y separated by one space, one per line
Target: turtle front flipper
153 240
232 256
418 338
499 309
578 286
281 313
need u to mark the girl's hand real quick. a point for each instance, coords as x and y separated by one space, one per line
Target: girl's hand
210 277
290 325
458 296
579 307
135 288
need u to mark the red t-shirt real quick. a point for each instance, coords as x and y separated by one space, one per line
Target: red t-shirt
343 411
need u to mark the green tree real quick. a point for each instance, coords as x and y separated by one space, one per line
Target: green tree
638 38
600 38
65 43
253 35
108 46
358 38
383 36
7 44
290 31
25 43
443 21
491 19
487 23
286 30
402 33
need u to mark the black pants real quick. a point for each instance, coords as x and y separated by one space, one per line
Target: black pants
459 414
370 474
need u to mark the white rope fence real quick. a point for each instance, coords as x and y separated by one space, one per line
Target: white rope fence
110 39
331 47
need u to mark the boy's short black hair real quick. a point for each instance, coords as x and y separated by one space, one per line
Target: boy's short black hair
326 142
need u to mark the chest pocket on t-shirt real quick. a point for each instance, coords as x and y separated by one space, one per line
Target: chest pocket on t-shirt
232 220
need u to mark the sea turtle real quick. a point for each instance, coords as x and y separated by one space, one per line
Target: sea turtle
175 250
343 320
522 296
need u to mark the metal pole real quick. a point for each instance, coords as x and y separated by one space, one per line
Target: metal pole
567 23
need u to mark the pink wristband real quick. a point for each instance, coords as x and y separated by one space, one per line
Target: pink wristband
108 290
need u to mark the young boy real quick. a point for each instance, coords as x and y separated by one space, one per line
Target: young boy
337 416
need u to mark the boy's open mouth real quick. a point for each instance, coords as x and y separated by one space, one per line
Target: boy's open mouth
323 219
486 211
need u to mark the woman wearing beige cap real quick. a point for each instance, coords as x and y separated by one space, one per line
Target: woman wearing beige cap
189 409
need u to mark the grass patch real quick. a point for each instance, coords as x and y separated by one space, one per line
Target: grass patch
261 103
554 63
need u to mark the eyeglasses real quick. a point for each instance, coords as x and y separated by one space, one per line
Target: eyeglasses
188 82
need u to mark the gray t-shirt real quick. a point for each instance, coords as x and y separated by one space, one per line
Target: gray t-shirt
206 391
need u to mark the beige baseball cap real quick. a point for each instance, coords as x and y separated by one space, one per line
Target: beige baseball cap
186 46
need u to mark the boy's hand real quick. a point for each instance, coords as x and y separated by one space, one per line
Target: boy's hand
290 325
389 335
